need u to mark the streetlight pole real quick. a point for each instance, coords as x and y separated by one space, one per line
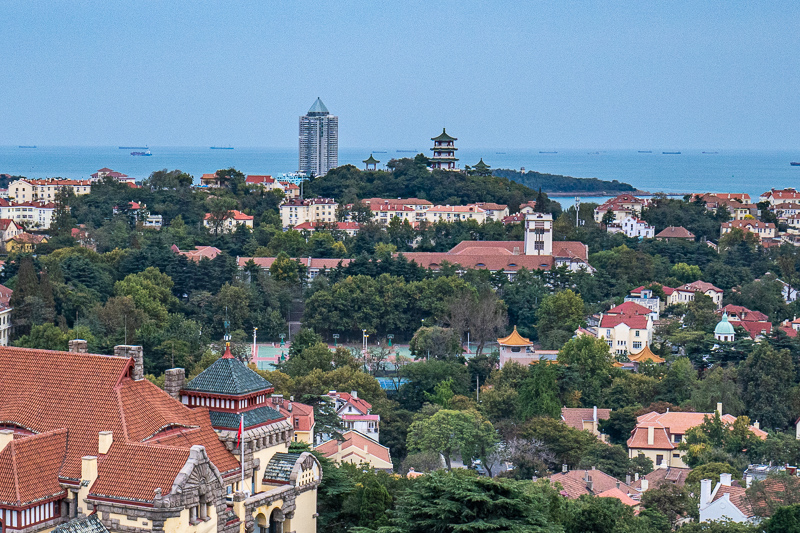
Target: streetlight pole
335 340
255 347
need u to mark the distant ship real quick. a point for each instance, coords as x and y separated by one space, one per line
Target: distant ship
501 153
710 152
221 148
21 146
671 153
133 148
645 151
795 163
379 151
593 153
548 152
408 151
141 153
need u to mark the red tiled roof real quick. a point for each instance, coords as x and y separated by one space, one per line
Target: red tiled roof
259 179
633 322
748 224
456 209
737 496
5 294
576 416
618 494
489 261
29 467
198 253
341 226
575 485
301 415
630 309
234 214
739 312
660 476
28 238
511 219
359 403
755 328
313 262
675 232
673 423
355 439
5 223
698 286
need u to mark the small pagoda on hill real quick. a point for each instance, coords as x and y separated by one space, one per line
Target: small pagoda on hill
444 152
371 162
482 169
646 355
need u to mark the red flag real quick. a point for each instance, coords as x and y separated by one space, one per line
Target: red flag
241 428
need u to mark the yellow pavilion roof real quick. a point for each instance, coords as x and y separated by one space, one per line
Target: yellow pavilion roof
645 355
515 339
617 364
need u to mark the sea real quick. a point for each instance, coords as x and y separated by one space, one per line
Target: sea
648 169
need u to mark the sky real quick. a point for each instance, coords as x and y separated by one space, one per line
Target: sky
517 74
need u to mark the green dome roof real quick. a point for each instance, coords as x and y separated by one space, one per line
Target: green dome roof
724 327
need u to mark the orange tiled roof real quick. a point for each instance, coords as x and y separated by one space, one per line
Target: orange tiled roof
576 416
29 467
357 440
515 339
737 496
575 485
618 494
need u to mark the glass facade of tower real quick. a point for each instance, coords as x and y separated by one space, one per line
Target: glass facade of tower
319 140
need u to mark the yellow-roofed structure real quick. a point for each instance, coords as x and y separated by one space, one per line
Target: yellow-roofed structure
515 339
645 355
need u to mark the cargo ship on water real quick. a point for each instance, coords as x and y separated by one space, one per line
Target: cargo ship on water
146 153
795 163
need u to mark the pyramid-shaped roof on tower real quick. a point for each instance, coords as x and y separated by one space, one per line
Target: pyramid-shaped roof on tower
515 339
318 108
645 355
227 375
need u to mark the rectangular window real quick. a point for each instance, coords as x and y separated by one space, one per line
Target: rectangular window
637 332
659 459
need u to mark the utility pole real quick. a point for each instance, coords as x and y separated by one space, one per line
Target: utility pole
577 211
477 388
255 348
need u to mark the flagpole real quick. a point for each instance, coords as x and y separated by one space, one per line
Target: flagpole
241 445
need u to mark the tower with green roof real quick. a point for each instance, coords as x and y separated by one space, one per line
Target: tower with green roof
371 162
724 330
444 152
482 169
319 140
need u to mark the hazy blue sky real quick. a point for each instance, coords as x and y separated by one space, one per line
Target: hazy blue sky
520 74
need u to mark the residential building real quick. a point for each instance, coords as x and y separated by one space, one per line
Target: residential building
25 243
357 449
738 210
621 206
657 435
686 293
778 196
290 190
763 230
785 210
726 502
632 227
585 418
108 173
514 219
34 215
673 233
8 230
199 253
646 298
387 210
756 324
5 314
300 415
356 414
25 190
88 435
296 211
494 212
451 213
444 152
264 181
626 334
232 220
350 228
671 475
211 181
319 141
528 207
631 308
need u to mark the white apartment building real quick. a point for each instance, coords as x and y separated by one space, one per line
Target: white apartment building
229 224
26 190
626 334
36 215
451 213
633 227
297 211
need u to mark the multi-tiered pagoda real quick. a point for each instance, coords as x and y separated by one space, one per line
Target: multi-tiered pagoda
444 152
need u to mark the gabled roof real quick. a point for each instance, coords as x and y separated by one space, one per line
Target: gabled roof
443 136
575 484
229 376
629 309
515 339
5 223
633 322
618 494
698 286
359 403
356 440
29 467
576 416
737 496
659 476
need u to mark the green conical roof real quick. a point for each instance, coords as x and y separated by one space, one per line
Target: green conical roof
481 164
371 160
228 375
724 327
318 109
444 137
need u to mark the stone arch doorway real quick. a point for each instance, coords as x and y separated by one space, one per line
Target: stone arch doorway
261 523
276 521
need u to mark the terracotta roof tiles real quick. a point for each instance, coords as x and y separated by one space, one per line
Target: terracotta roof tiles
29 468
576 416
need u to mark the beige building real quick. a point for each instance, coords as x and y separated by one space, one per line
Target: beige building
626 334
5 314
297 211
763 230
357 449
622 206
451 213
686 293
207 456
45 190
586 419
496 212
229 223
658 435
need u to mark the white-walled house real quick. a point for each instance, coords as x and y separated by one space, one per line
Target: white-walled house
725 502
633 227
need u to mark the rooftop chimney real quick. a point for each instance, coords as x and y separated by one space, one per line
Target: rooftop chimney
564 468
173 381
6 436
725 479
627 479
748 480
104 442
78 346
590 484
137 353
651 435
277 399
89 468
719 408
354 394
645 484
594 413
756 425
705 492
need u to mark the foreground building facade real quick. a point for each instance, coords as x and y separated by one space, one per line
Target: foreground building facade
87 434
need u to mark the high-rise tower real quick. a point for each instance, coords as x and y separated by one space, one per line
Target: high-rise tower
319 140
